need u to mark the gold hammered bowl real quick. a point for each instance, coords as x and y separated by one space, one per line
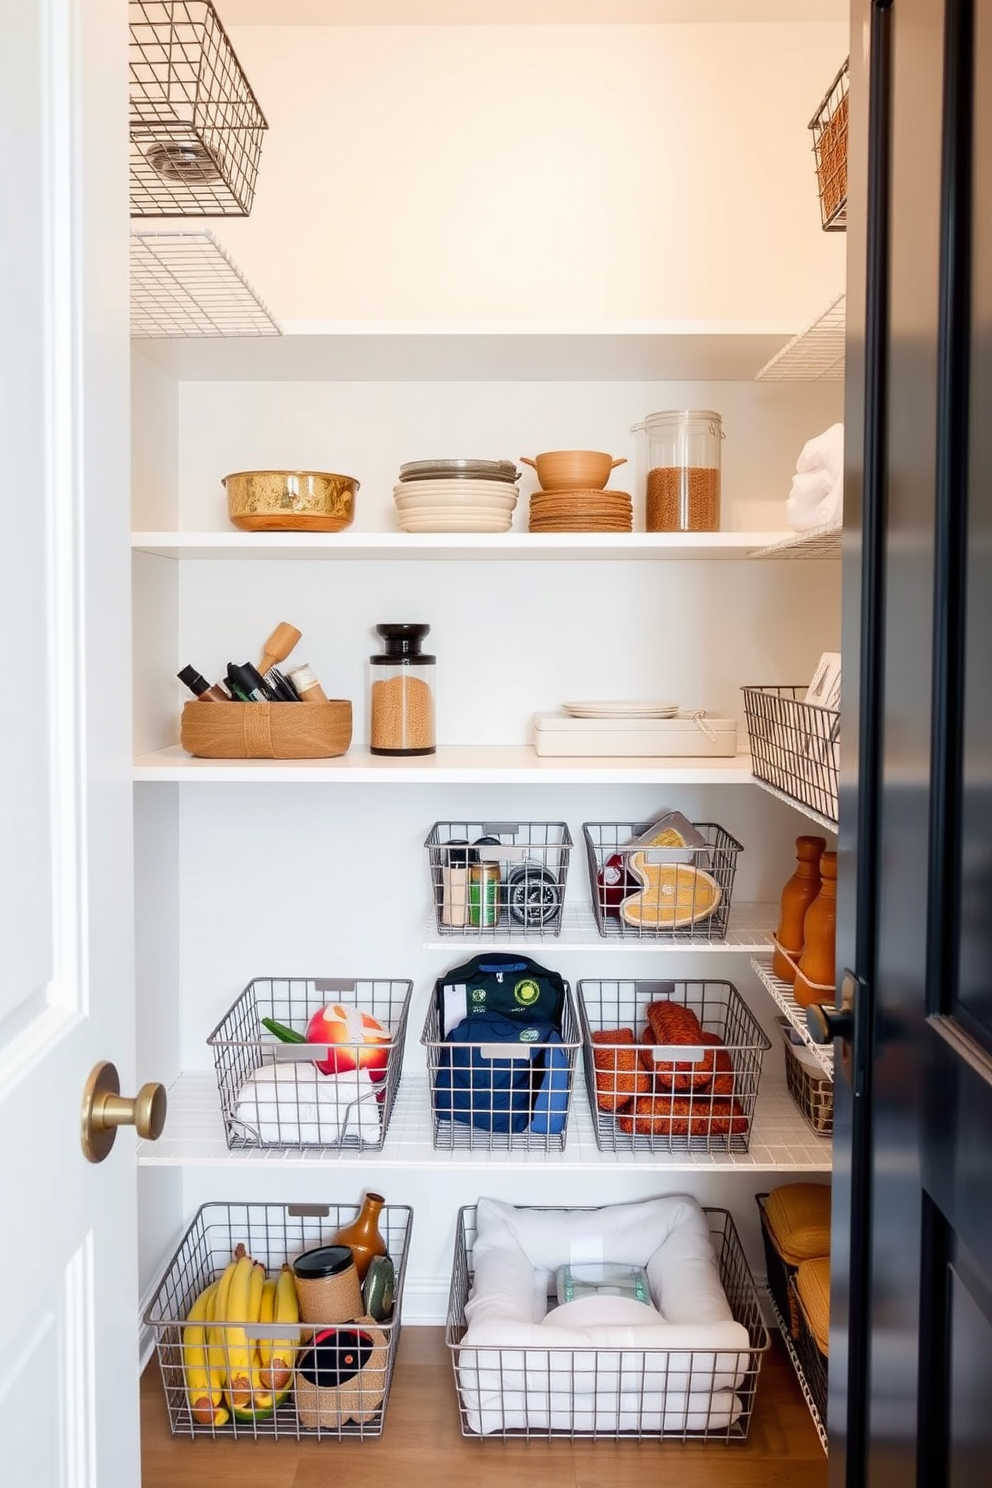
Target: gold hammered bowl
290 500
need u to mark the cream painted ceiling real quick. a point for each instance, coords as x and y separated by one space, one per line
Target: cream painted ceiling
520 12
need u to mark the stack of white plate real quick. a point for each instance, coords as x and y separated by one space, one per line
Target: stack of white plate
456 496
619 710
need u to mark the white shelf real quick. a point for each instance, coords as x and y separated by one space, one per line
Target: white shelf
469 764
783 996
827 822
486 351
194 1137
455 545
818 542
816 354
750 931
786 1333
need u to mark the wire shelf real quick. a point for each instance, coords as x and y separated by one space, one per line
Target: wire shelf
274 1234
783 996
816 354
184 284
640 1097
589 1393
196 127
816 542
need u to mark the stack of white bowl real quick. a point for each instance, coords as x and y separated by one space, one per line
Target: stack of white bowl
456 495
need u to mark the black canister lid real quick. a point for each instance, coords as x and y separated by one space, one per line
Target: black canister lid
326 1260
403 644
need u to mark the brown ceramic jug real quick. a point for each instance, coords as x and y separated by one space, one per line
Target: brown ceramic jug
797 896
363 1235
817 964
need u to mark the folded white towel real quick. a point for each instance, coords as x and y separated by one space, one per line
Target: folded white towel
824 452
294 1103
809 489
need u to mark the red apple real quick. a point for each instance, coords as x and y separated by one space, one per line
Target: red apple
355 1040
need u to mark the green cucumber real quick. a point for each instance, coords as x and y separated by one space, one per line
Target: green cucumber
288 1035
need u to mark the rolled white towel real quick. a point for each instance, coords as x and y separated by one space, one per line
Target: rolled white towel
824 452
809 489
294 1103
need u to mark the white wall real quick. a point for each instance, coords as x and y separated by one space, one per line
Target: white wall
539 172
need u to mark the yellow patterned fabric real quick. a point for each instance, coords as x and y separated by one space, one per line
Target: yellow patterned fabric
798 1220
812 1284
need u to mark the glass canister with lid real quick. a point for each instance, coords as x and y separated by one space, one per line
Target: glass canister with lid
401 694
682 464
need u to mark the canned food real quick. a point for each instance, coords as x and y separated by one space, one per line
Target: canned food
483 894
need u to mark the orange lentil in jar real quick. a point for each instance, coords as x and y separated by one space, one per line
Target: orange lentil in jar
402 714
683 499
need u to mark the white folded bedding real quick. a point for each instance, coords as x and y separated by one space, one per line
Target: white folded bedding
613 1363
295 1103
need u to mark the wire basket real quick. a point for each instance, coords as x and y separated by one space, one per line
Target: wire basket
680 895
829 128
637 1392
795 746
500 1103
812 1092
779 1273
272 1234
631 1096
273 1094
812 1362
196 126
511 885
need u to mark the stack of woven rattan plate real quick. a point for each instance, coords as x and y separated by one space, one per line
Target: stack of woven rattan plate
456 495
572 496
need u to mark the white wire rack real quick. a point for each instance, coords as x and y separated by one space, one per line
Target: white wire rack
750 929
194 1137
818 542
184 284
816 354
790 1346
782 994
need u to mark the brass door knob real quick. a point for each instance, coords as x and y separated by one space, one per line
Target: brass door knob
105 1109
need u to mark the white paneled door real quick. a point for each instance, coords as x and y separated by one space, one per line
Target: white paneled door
68 1265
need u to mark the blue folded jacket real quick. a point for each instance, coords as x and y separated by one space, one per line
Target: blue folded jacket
503 1094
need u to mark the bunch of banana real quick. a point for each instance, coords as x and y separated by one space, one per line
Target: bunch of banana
226 1372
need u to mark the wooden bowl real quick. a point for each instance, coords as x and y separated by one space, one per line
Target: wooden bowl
559 470
266 730
290 500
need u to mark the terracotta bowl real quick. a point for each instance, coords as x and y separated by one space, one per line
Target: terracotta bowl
559 470
290 500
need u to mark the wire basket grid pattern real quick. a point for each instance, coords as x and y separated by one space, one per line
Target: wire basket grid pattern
610 847
483 1103
813 1093
687 1120
829 129
299 1109
813 1363
795 745
196 126
560 1377
525 894
272 1234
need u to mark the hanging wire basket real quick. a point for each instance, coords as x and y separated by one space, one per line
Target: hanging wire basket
196 126
829 127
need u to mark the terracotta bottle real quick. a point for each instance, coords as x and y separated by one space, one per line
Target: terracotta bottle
363 1235
797 896
818 960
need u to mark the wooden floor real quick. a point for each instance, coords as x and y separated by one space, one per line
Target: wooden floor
422 1443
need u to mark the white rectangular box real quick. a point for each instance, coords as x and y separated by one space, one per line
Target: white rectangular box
682 738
